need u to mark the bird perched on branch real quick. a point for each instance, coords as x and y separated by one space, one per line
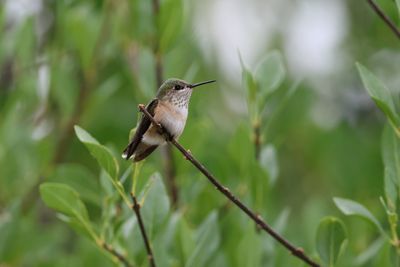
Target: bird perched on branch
170 109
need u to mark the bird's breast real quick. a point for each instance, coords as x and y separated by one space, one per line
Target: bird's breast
172 117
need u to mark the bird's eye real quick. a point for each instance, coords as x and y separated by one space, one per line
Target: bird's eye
178 87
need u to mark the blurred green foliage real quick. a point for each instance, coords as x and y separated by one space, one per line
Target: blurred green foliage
331 237
90 63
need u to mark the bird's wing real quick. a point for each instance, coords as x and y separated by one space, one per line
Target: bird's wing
140 131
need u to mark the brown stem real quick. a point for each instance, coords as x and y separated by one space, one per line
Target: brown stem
158 67
118 255
136 208
170 174
156 7
298 252
169 165
385 18
257 139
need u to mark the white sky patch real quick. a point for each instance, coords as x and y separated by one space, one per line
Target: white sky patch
326 113
313 37
43 82
18 10
312 31
230 26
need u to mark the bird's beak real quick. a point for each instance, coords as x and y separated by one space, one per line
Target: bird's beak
201 83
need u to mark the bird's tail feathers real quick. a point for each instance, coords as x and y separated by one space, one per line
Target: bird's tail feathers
129 150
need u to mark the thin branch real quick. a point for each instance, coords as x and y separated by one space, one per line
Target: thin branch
136 208
298 252
169 169
257 138
158 67
156 7
118 255
384 17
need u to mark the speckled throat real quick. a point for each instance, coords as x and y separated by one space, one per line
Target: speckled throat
180 99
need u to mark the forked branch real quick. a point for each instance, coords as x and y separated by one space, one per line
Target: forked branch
298 252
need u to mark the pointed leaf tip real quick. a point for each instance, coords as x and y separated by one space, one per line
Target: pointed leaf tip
379 93
84 136
66 200
63 198
270 73
101 153
351 207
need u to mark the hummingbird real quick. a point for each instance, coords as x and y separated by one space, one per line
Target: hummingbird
170 109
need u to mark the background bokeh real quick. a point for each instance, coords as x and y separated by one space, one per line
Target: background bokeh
91 63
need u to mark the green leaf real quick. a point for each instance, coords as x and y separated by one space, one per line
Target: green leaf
270 73
350 207
187 243
248 82
379 93
331 235
370 252
394 256
240 142
79 178
99 152
25 41
141 14
165 241
64 199
398 5
390 187
269 162
391 160
207 242
80 31
282 220
106 184
156 203
65 86
75 224
170 23
249 250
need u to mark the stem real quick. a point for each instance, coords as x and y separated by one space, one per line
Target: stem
137 166
136 208
384 17
257 138
170 174
395 238
118 255
393 219
120 189
298 252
